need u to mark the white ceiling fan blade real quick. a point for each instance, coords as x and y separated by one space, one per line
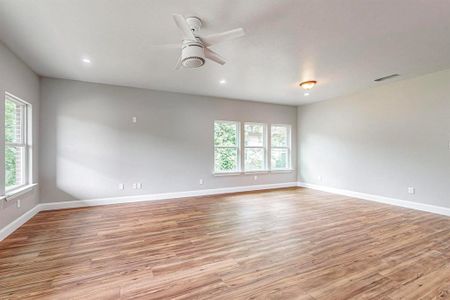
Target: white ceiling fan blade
216 38
178 65
184 27
214 56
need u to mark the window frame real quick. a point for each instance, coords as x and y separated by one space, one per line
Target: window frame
265 147
25 143
288 147
237 147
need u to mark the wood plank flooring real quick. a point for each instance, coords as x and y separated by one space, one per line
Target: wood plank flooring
280 244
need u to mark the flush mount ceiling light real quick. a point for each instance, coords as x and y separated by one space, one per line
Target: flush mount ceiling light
307 85
86 60
223 81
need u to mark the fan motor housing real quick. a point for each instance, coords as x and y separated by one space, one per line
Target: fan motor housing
192 54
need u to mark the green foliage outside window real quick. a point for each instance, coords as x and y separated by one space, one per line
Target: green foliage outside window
280 159
226 135
226 160
254 142
279 136
10 152
280 156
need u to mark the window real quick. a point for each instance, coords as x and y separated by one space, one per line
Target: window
255 156
16 142
226 147
280 147
228 157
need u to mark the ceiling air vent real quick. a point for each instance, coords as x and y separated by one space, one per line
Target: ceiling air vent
386 77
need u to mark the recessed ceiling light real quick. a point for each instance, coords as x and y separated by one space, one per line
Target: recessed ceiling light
86 60
306 94
307 85
223 81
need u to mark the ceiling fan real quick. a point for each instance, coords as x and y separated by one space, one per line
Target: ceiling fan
195 48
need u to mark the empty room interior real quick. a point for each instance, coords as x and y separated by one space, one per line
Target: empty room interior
225 149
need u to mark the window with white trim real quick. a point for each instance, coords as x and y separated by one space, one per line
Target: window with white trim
17 114
280 147
255 147
227 147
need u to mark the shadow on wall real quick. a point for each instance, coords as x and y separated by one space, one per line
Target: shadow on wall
86 159
95 150
91 145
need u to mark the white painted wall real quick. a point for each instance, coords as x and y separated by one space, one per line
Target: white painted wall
381 141
17 79
89 144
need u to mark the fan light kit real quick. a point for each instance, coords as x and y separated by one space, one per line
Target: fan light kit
307 85
194 47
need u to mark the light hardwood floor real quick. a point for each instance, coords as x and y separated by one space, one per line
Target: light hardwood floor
280 244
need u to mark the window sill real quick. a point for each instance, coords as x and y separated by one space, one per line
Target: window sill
11 195
254 172
227 174
283 171
257 172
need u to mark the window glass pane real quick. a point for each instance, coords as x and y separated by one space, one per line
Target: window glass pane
13 122
280 159
226 160
254 135
226 134
14 166
254 159
280 136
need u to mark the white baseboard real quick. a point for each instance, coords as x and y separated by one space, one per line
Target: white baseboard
11 227
386 200
162 196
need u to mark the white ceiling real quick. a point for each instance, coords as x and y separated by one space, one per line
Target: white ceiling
343 44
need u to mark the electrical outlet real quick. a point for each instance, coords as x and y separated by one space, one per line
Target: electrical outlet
134 119
134 186
319 178
139 185
121 186
255 177
18 203
411 190
201 181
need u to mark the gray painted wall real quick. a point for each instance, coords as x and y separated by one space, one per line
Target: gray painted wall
90 145
17 79
381 141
